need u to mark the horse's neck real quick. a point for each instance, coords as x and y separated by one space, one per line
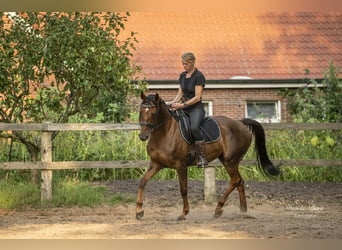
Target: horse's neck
163 137
165 129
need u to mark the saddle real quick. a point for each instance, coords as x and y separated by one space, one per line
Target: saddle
210 130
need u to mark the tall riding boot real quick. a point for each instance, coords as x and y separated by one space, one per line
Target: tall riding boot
202 160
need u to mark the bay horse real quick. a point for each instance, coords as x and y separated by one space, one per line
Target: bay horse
167 148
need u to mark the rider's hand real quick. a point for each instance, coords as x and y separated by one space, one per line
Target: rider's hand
177 105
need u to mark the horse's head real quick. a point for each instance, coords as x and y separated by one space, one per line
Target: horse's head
148 114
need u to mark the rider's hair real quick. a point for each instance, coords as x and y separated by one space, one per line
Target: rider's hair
189 57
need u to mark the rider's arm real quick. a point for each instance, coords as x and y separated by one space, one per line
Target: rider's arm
197 97
178 96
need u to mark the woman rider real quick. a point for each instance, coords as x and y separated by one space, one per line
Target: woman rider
189 98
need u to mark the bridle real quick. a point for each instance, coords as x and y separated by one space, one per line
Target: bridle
152 125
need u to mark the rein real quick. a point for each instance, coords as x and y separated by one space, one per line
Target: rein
153 126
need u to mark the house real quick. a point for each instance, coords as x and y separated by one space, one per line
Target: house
246 57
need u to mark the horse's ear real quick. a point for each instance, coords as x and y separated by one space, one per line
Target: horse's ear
156 98
142 95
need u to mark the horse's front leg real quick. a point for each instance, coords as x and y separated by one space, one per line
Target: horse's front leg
153 169
183 184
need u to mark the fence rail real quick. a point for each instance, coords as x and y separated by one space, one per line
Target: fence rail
47 165
135 126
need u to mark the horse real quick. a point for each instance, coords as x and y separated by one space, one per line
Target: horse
167 148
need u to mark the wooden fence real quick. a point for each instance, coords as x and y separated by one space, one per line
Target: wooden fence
46 165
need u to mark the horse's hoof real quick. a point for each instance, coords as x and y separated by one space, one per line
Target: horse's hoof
139 215
181 217
218 213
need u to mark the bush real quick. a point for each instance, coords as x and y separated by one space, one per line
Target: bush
317 104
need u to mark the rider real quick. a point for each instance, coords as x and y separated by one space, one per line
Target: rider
189 98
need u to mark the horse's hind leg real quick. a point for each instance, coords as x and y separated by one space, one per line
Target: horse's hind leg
236 181
153 169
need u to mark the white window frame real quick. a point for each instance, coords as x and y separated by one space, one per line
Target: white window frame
277 104
209 110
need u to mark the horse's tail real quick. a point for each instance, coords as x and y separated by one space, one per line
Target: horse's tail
260 146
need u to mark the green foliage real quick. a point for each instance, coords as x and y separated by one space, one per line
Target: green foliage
122 145
53 65
301 145
312 174
304 144
312 103
99 146
56 65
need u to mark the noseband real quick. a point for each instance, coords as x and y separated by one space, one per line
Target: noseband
152 125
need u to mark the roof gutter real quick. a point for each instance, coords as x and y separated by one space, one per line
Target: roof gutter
238 84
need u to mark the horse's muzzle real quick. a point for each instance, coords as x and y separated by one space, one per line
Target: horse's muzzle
143 137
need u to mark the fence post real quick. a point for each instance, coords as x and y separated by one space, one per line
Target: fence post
46 175
209 185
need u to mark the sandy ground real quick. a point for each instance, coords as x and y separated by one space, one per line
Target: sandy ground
280 210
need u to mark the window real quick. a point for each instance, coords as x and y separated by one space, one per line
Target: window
263 111
208 107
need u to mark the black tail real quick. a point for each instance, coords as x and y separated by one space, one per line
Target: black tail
260 146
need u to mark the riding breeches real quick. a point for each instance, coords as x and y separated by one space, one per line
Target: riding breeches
196 114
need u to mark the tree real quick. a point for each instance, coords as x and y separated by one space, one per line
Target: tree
56 65
314 103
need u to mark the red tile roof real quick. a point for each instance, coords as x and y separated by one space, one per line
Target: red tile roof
257 45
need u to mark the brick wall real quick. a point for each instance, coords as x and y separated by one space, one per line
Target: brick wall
232 102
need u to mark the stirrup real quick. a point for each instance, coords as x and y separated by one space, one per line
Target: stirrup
202 162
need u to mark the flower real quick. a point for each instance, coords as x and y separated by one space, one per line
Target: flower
330 141
314 141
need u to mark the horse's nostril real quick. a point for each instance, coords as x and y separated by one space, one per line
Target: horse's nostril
143 137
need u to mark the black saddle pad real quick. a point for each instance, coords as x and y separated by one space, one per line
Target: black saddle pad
209 128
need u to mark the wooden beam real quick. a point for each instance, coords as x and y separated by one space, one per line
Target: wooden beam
135 126
22 126
46 174
92 126
302 126
291 162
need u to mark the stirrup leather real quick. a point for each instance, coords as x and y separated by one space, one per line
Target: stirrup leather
200 148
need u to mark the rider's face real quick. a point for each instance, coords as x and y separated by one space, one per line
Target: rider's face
188 66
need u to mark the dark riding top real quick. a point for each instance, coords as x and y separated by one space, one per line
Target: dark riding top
188 86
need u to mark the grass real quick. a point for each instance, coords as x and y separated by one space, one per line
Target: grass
81 193
14 195
17 195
